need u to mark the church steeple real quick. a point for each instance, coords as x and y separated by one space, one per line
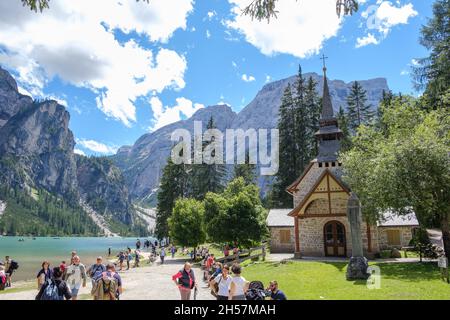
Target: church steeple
327 107
329 133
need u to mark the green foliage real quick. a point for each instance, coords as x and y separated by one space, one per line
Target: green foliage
173 186
204 178
298 122
433 72
343 125
46 216
36 5
405 167
236 215
187 223
359 112
246 171
266 9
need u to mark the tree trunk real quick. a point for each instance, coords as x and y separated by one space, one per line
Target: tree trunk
446 235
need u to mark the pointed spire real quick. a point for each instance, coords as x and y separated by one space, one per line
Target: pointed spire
327 107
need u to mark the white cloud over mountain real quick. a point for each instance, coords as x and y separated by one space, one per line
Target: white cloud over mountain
75 41
95 146
165 115
300 29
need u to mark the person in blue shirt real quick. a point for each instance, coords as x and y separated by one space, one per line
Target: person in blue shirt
276 294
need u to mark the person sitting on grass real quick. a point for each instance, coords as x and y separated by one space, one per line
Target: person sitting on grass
276 294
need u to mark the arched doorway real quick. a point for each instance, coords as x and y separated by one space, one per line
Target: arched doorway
334 238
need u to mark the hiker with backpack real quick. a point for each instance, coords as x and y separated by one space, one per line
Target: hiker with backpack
55 288
10 267
185 281
96 269
44 275
76 276
239 285
220 285
108 285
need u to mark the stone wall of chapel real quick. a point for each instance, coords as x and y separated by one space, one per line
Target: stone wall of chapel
311 236
276 246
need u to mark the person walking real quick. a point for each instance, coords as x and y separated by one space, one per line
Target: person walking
55 289
173 250
239 285
223 281
136 259
162 255
10 267
121 260
76 276
129 257
185 281
108 285
96 269
109 252
44 275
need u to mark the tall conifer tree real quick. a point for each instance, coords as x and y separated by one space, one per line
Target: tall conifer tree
359 112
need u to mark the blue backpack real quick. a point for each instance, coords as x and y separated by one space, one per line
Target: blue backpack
51 292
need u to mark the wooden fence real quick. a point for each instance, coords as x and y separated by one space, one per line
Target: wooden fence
244 255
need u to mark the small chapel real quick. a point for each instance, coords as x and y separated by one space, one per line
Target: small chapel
317 225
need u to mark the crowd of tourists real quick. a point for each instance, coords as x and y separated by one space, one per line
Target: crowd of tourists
225 282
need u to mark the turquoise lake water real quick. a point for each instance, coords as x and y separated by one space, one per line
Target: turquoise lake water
30 253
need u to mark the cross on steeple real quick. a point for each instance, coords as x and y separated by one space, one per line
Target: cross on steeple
324 64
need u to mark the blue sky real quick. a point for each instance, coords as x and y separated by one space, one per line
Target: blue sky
124 68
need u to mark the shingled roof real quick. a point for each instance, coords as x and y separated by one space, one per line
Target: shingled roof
279 218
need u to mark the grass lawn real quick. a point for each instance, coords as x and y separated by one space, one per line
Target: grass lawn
326 280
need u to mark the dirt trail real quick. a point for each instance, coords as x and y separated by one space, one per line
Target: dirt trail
146 283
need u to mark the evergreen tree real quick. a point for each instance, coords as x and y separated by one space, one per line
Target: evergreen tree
287 152
300 126
433 72
359 112
343 125
313 109
204 177
247 171
173 186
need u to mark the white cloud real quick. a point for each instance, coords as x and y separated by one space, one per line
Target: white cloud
404 73
247 78
167 115
96 146
74 40
268 78
300 30
211 14
80 152
365 41
384 15
208 34
234 64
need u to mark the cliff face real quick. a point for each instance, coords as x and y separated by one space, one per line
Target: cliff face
142 163
101 184
36 151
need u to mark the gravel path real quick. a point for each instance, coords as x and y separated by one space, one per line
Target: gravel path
145 283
